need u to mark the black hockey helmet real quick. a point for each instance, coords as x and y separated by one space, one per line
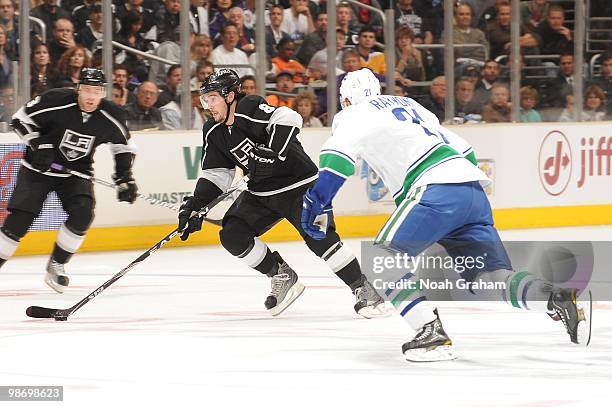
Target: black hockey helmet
92 76
223 81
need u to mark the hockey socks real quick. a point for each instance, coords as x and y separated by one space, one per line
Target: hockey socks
8 246
67 243
344 263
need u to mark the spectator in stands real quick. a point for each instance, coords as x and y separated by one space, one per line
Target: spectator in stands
594 104
344 20
273 31
529 100
89 34
143 115
306 105
49 12
198 16
284 83
563 83
219 16
130 35
605 81
197 104
148 20
10 21
203 70
248 85
554 37
284 61
80 13
7 103
465 104
6 64
228 54
121 77
533 12
44 75
167 20
169 92
169 50
409 61
314 41
499 106
490 75
465 34
433 11
567 115
498 33
246 36
119 94
172 119
489 14
368 57
436 99
317 67
407 16
63 39
70 65
366 17
201 49
297 20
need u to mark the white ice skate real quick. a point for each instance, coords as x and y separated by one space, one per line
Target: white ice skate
56 277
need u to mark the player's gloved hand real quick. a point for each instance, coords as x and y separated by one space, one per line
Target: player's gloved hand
315 216
42 155
127 191
261 162
188 220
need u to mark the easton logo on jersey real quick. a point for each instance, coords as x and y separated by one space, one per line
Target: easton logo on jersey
75 145
242 151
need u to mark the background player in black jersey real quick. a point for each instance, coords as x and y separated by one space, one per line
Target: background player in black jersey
261 140
65 126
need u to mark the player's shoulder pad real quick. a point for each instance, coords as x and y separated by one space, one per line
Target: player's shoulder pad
52 98
114 110
249 105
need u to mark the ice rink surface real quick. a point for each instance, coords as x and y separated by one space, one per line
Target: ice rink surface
187 327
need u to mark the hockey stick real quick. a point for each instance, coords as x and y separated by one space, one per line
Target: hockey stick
99 181
63 314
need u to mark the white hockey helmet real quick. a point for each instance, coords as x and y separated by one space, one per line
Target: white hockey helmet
358 85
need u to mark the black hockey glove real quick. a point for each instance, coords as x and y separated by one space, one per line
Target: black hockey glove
186 222
42 155
261 162
127 191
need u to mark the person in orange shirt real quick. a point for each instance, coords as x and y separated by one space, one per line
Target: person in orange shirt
284 60
284 83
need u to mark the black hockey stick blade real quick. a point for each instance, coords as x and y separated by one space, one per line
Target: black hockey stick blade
42 312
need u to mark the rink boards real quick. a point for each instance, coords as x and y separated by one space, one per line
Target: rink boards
545 175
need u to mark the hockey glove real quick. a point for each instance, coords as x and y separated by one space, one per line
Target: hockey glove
315 216
188 219
127 191
261 162
42 155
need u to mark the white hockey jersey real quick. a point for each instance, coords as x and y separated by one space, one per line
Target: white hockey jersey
402 142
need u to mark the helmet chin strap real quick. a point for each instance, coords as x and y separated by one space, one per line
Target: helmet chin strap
229 106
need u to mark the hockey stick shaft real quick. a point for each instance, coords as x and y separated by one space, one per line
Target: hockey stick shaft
99 181
42 312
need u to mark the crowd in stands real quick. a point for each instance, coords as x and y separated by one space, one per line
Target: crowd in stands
222 33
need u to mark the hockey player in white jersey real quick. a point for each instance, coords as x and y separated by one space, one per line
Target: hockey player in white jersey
437 188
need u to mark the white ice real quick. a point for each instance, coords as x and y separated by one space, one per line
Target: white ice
187 327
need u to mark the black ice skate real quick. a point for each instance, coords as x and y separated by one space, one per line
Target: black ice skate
575 315
56 277
285 288
431 344
368 303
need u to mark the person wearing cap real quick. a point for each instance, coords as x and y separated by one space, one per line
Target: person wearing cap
284 83
61 129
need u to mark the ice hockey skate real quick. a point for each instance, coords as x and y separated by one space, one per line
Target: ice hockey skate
369 304
285 288
575 315
431 344
56 277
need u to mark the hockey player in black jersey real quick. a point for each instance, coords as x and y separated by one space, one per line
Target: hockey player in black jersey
65 126
260 139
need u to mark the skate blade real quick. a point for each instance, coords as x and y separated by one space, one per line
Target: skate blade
376 311
59 288
438 354
294 292
585 308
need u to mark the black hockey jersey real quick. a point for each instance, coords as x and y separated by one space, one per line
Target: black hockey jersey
55 117
256 122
